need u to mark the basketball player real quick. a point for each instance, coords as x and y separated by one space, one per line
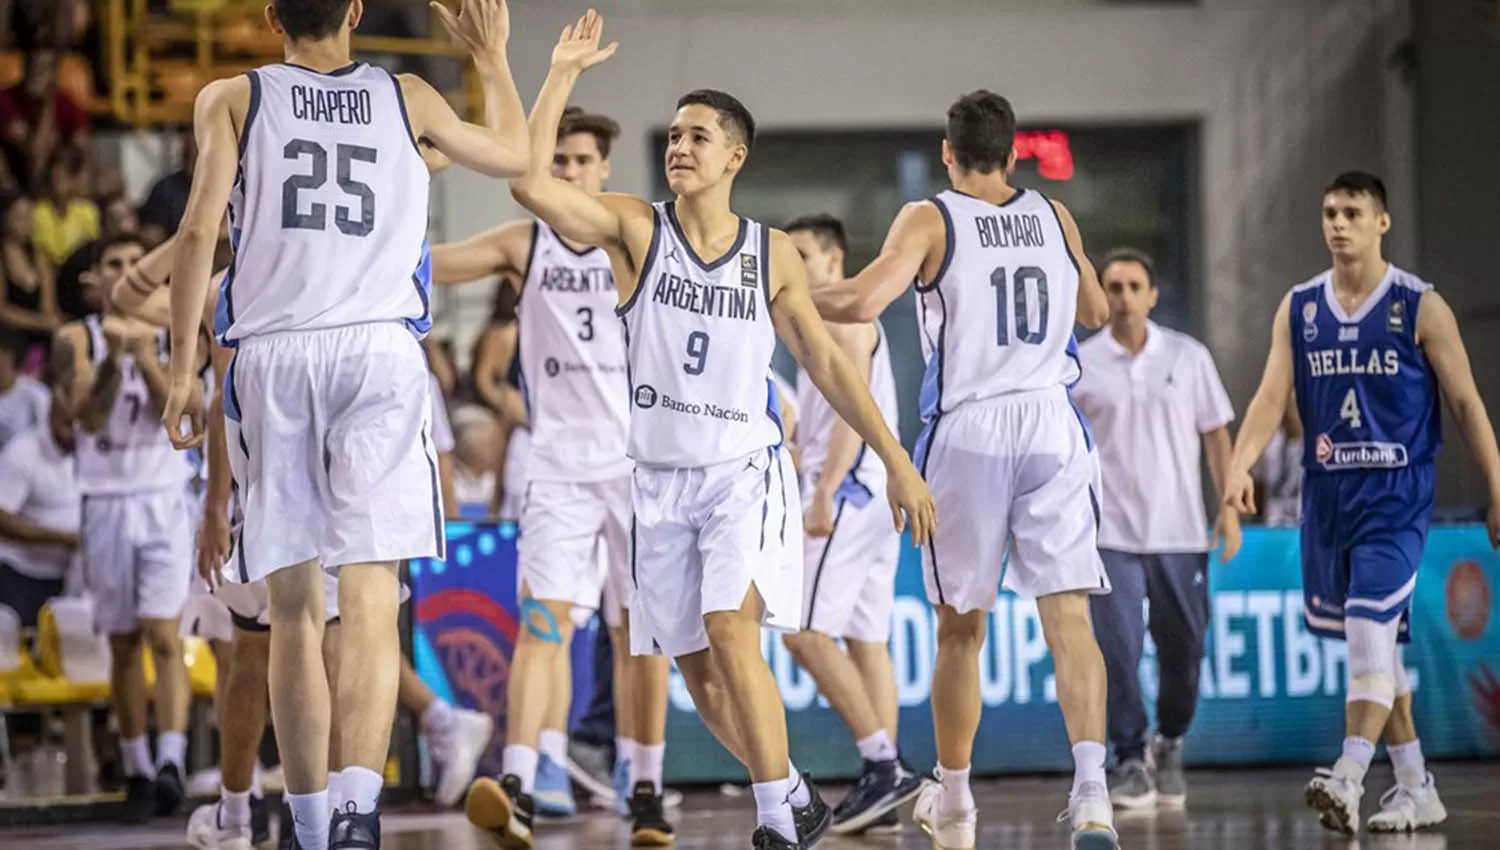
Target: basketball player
710 493
1001 277
850 555
325 303
571 354
1368 348
136 530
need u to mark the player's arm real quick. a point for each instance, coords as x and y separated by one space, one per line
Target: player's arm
1438 334
66 361
914 236
105 389
143 346
799 326
213 536
856 342
1264 414
1093 306
139 292
501 250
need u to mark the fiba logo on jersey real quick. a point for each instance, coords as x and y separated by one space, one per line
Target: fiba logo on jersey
1309 321
1395 318
1468 593
1323 449
749 270
645 396
551 367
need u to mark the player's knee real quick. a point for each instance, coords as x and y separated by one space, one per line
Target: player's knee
727 632
161 636
125 650
963 632
799 644
1372 661
1398 671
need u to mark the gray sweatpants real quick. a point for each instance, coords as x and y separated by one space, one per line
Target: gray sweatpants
1177 587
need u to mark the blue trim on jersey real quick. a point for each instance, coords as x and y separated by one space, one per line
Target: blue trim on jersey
765 501
422 280
231 396
536 229
405 117
439 535
1058 218
224 310
336 72
851 489
739 240
773 410
640 282
250 114
948 248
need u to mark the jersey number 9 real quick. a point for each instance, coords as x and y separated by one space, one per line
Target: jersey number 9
697 348
316 217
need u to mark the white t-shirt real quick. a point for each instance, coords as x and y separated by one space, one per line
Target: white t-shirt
1148 413
41 486
22 406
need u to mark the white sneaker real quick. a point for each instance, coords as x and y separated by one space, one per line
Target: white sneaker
204 832
1335 798
1404 809
458 752
205 783
1092 817
947 831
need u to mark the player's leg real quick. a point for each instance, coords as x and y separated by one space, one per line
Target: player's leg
240 708
1414 802
172 698
128 696
368 678
332 664
164 521
1121 628
1178 587
878 674
458 736
553 789
300 699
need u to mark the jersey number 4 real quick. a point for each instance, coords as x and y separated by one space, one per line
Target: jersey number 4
316 217
1350 410
1013 290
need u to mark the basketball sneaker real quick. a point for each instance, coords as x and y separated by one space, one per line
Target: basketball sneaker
457 751
140 799
882 787
814 818
206 831
1171 781
500 809
649 826
947 830
1092 817
1133 787
620 779
766 838
350 830
169 790
1335 797
1404 809
553 791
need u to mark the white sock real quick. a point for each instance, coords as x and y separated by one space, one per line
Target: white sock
1355 762
877 746
171 748
310 814
437 719
554 745
236 808
773 808
335 795
797 793
255 790
1088 763
360 786
956 798
135 755
1411 767
521 762
646 767
624 750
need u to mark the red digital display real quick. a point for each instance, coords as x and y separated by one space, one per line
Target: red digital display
1054 159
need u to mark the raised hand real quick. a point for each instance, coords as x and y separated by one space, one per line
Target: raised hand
483 26
184 400
578 46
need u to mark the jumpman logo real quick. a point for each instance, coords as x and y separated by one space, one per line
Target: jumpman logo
672 253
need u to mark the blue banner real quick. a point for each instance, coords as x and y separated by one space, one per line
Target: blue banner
1270 692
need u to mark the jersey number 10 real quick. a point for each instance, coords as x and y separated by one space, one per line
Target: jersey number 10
1013 291
316 217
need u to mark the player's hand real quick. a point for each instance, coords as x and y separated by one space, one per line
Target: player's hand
1239 492
483 26
117 334
1492 518
184 400
578 47
911 502
818 520
1227 531
213 547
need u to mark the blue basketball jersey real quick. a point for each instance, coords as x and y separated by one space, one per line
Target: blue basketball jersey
1366 393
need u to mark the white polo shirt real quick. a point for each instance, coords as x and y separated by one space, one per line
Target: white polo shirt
41 485
23 405
1149 413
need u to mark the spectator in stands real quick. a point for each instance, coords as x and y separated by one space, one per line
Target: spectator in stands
163 209
37 121
66 218
23 399
118 218
28 302
493 353
476 455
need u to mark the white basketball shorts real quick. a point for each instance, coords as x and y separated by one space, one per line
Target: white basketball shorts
849 577
329 440
138 557
1011 475
573 539
702 537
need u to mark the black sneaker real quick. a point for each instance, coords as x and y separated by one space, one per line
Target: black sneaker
140 799
501 810
882 788
650 827
812 819
887 824
260 822
766 838
286 829
169 793
349 830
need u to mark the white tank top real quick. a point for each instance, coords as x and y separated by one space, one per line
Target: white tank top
572 350
998 318
699 342
328 216
816 418
132 454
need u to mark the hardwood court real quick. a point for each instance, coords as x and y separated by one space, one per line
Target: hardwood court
1229 810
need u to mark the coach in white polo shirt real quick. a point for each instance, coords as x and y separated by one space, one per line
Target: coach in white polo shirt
39 513
1156 406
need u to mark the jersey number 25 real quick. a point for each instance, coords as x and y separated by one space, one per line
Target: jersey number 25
316 217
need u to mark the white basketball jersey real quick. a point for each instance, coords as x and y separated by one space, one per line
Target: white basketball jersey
133 453
699 341
816 418
328 216
572 350
998 318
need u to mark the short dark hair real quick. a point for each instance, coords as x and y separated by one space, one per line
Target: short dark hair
1359 183
981 131
828 230
733 116
603 128
311 18
1130 255
116 242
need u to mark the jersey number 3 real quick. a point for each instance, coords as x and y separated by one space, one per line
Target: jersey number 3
316 217
1013 291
